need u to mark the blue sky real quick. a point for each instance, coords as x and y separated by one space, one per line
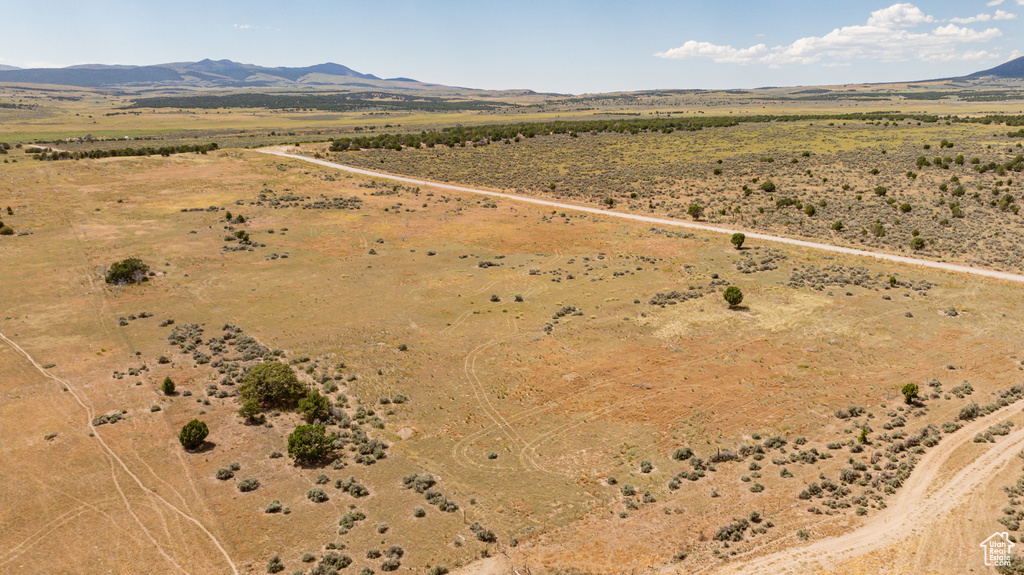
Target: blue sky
550 46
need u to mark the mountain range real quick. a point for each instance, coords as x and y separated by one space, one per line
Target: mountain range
205 73
229 74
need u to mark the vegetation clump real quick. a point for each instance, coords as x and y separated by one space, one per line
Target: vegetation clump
271 384
310 443
127 271
193 434
733 296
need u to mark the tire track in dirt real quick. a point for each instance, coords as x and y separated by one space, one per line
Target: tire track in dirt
113 457
530 450
460 451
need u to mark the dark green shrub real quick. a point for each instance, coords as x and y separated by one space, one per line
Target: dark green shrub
193 434
310 443
250 410
275 565
167 386
224 474
733 295
910 392
738 239
6 230
315 407
127 271
272 384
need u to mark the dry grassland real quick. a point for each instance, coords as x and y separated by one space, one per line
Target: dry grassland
570 407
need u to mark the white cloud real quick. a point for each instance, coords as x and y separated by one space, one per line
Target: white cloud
994 3
244 26
972 19
999 15
898 16
886 37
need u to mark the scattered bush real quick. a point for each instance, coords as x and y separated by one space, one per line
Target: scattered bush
167 386
910 392
127 271
733 296
310 443
193 434
315 407
247 485
272 384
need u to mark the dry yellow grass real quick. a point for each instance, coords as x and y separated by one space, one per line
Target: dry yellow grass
621 383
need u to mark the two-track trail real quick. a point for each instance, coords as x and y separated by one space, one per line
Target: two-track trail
116 462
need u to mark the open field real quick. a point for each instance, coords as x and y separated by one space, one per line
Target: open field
33 113
551 421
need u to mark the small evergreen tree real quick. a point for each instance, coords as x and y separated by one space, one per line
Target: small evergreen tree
193 434
167 386
272 384
127 271
310 443
738 239
250 410
695 211
315 407
910 392
733 295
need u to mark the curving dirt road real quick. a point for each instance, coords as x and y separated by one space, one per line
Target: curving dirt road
662 221
921 501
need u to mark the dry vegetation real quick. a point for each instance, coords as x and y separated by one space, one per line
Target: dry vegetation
563 392
850 183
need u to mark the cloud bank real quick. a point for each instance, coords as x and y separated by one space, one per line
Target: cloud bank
887 36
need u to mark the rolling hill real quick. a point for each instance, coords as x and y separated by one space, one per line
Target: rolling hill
205 73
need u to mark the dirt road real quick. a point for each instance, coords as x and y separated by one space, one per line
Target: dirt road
664 222
921 501
924 500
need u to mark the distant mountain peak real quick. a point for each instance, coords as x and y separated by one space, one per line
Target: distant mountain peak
1012 69
206 72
